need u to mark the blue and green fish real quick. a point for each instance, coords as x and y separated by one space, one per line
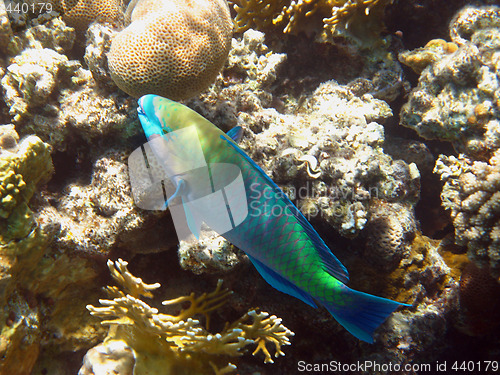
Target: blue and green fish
279 241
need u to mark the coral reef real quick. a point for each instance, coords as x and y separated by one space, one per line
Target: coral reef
457 95
325 151
357 20
57 99
330 158
326 148
33 76
172 48
34 296
53 34
142 340
389 231
471 193
249 59
210 253
22 244
94 218
22 167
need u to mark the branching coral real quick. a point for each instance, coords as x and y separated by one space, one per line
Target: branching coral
169 342
359 18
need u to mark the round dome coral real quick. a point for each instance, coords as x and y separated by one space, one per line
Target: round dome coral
172 48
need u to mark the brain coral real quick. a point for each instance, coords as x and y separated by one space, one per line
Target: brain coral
390 231
80 13
173 48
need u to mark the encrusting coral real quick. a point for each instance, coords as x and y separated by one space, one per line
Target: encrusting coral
172 48
457 96
359 18
210 253
472 194
22 166
390 231
143 340
329 156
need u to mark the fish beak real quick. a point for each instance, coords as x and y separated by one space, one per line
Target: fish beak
140 109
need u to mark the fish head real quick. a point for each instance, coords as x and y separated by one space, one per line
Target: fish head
160 115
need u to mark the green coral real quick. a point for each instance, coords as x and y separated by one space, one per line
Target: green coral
22 244
147 341
21 169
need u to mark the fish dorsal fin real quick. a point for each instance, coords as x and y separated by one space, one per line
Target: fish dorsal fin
330 262
279 282
235 133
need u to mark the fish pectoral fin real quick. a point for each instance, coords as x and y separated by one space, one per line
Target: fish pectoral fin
178 191
193 224
235 133
279 282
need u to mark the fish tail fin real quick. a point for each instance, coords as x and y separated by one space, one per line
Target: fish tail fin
362 313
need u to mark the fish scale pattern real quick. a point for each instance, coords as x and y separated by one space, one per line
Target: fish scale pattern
282 243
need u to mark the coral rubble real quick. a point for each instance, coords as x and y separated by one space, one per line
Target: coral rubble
143 340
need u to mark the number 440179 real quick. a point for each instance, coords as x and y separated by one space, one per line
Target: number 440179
475 366
28 7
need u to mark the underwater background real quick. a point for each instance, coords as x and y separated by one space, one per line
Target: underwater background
380 119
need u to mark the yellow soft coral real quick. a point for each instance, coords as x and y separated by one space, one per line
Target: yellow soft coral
359 18
143 340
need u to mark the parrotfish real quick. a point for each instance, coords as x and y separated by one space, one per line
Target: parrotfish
279 241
